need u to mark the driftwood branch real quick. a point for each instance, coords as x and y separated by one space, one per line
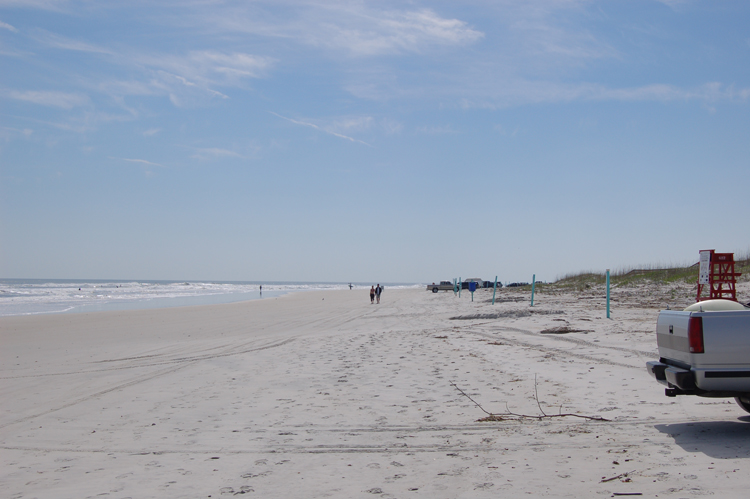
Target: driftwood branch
621 475
508 414
467 396
536 396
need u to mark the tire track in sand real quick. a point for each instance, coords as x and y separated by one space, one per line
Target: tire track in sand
178 360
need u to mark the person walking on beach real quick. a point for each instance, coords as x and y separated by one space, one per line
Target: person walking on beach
378 290
372 294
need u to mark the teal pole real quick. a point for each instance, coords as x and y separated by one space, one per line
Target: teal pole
454 286
607 293
459 287
494 290
533 285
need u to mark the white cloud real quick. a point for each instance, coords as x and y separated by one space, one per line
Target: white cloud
393 32
189 78
65 43
129 87
37 4
519 53
542 38
344 126
326 129
203 68
49 98
351 123
523 92
215 152
390 126
673 3
181 77
9 132
231 66
151 132
356 28
8 27
709 92
140 161
185 79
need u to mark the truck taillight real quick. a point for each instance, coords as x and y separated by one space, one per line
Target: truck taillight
695 334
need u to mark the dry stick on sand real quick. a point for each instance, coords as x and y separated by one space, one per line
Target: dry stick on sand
500 417
621 475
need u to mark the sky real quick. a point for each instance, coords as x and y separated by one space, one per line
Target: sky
383 141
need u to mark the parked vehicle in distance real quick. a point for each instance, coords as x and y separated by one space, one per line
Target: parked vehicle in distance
448 285
443 286
517 284
705 351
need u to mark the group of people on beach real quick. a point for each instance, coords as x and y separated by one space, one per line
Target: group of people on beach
375 293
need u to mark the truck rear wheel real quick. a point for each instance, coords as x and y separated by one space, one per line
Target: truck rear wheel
434 290
743 402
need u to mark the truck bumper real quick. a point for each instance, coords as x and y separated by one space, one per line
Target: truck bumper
713 382
677 380
656 369
681 378
725 379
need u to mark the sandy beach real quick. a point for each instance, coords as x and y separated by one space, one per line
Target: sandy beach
321 394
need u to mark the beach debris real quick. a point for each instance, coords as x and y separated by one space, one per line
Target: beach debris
621 475
255 475
509 314
484 486
509 415
563 330
453 472
230 490
492 417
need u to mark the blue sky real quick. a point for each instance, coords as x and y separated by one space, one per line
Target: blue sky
405 141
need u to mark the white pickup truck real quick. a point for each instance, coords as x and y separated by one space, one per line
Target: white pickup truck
705 351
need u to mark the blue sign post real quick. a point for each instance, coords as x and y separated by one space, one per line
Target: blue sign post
472 288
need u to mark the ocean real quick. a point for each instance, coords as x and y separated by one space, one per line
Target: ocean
56 296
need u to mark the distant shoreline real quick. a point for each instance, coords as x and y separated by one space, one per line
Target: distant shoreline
66 296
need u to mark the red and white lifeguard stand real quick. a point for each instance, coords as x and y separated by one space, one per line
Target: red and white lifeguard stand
717 276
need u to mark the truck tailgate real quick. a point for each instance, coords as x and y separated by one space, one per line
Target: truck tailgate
726 336
672 336
724 364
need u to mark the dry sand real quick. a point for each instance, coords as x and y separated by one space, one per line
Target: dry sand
321 394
